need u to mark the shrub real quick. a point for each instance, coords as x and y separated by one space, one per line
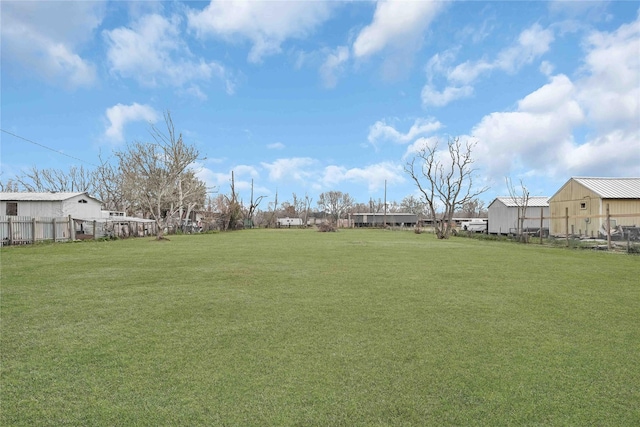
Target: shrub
326 227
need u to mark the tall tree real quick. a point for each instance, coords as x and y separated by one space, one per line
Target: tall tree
253 206
414 205
335 203
153 172
109 187
194 194
447 182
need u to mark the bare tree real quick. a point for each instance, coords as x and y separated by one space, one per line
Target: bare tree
231 209
253 205
472 209
153 172
335 203
10 186
76 179
446 182
414 205
307 208
109 187
194 193
273 207
520 197
179 156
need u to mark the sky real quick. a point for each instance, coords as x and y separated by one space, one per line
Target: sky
310 96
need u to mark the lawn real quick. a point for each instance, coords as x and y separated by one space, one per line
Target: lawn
295 327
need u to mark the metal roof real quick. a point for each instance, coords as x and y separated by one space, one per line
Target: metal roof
534 201
42 197
612 188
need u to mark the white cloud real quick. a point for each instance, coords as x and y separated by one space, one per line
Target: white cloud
589 126
532 43
265 24
296 168
431 96
419 144
395 24
381 131
333 66
532 134
152 52
276 146
45 38
546 68
373 175
610 88
119 115
612 154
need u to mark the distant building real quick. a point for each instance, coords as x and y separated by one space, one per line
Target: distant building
586 199
378 219
289 222
504 211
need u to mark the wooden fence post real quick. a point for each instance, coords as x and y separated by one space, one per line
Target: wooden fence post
33 230
566 223
608 229
72 230
54 230
541 222
10 231
94 230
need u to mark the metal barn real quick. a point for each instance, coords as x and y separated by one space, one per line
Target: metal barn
503 215
585 200
378 219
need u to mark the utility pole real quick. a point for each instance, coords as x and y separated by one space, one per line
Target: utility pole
384 221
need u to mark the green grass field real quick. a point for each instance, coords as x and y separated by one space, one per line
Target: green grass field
296 327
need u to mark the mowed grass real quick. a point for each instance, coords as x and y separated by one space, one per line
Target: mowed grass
296 327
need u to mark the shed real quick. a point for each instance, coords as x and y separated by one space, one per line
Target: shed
503 215
289 222
398 219
586 200
50 205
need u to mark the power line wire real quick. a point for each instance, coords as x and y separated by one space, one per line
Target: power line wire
48 148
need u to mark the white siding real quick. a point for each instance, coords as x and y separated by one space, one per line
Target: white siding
47 209
56 208
504 219
77 209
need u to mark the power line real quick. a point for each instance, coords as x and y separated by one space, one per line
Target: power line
48 148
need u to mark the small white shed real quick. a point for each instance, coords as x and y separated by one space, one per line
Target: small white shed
289 222
50 205
503 214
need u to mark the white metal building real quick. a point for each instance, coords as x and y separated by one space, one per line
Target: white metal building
50 205
503 215
289 222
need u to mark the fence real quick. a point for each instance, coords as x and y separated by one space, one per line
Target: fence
20 230
606 226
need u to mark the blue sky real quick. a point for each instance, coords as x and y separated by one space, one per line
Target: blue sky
313 96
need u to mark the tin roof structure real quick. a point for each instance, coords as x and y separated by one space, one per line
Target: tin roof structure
534 201
612 188
42 197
